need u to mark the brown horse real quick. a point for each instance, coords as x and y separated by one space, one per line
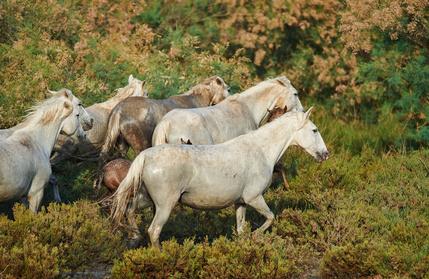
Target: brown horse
133 121
114 172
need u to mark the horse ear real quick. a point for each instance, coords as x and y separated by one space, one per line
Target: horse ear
308 113
282 80
143 83
51 92
130 78
67 105
219 81
67 94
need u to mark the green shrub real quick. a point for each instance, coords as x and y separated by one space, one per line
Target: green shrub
263 256
31 259
59 238
355 260
367 214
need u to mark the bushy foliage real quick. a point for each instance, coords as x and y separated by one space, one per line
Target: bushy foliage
92 50
357 57
59 238
260 256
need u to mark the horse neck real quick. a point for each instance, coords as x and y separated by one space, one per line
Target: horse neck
274 138
111 103
193 100
120 96
258 99
200 100
44 136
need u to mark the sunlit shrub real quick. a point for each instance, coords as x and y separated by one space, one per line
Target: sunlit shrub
265 256
59 238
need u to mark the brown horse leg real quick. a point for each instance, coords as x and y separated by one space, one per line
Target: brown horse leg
137 138
279 169
122 146
286 184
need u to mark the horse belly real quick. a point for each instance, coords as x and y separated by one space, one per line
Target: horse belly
199 201
211 196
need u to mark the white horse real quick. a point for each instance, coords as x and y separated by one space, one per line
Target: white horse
236 115
68 128
73 147
236 172
24 155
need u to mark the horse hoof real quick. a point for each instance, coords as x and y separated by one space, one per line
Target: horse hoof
133 243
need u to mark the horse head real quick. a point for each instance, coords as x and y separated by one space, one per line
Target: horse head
137 87
212 90
308 137
79 120
287 97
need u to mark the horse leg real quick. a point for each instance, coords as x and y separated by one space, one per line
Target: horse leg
122 146
35 195
136 236
241 217
140 202
136 138
54 183
162 212
286 184
278 168
261 206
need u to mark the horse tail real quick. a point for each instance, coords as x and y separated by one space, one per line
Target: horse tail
160 133
127 190
113 132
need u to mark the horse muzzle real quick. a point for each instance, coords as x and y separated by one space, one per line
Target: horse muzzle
322 156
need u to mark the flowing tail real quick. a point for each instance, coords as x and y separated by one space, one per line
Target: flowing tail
113 132
160 133
127 190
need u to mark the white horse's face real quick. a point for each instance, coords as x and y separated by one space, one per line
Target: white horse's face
72 124
138 86
308 137
289 98
79 120
86 121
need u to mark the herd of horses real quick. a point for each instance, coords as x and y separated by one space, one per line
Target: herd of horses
203 148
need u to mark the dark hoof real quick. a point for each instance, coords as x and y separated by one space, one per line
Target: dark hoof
133 243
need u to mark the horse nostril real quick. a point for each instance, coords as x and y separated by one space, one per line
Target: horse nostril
326 155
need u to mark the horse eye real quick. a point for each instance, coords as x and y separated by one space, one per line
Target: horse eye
314 130
296 94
